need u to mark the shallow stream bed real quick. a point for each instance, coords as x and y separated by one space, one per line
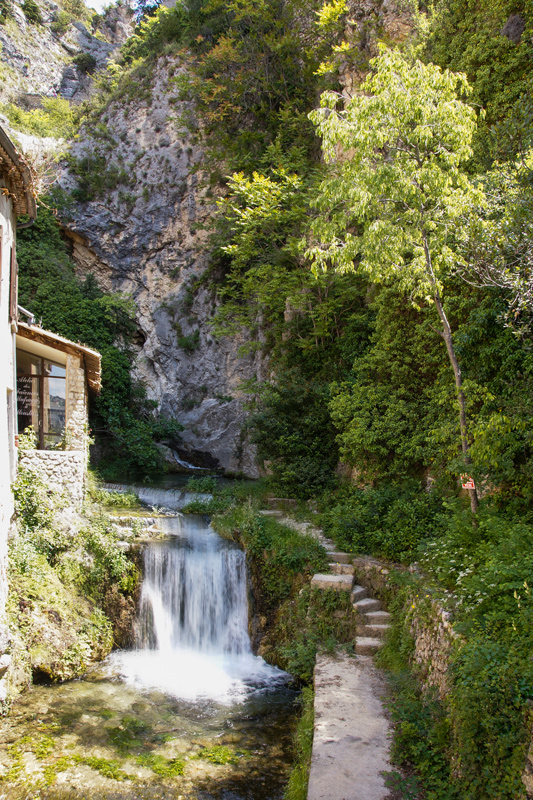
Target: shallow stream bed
102 738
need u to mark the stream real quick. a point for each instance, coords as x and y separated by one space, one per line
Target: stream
189 712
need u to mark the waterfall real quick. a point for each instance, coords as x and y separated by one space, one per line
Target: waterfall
191 636
194 597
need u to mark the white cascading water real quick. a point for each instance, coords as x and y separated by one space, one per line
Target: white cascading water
192 631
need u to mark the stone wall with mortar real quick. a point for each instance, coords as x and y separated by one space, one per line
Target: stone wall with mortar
62 470
76 410
434 640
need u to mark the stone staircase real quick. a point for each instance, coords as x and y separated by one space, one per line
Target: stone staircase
372 620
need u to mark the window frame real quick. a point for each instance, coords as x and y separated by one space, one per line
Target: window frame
41 376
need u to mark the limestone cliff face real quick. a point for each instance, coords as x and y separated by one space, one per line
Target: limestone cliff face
37 62
145 238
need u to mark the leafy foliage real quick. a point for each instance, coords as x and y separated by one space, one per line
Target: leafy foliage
293 432
32 12
6 11
56 118
303 741
390 521
482 575
85 62
66 574
474 39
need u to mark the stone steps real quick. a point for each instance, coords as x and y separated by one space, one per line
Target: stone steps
373 622
378 631
367 645
378 617
372 619
340 558
338 568
366 604
358 593
341 583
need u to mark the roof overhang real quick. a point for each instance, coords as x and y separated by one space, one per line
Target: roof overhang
91 358
19 177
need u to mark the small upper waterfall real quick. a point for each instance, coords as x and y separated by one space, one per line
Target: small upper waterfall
192 630
157 497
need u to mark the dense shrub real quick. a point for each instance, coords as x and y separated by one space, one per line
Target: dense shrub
60 23
32 12
55 118
295 437
85 62
389 521
480 731
6 11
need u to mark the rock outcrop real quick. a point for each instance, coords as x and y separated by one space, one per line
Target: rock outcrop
145 238
37 60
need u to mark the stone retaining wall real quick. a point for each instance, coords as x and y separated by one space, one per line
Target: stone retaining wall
62 470
434 639
427 622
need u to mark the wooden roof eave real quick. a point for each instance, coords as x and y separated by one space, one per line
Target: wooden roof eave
91 358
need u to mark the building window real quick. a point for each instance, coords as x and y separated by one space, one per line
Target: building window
41 398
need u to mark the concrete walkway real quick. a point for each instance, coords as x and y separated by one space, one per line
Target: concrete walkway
350 741
350 744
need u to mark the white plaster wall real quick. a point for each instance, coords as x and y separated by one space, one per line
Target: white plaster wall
7 391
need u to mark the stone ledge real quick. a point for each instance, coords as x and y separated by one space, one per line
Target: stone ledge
338 582
350 743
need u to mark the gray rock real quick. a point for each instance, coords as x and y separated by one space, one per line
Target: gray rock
39 62
150 248
514 28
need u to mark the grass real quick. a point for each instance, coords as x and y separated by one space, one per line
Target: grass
220 754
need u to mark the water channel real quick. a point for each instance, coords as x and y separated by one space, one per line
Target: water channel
189 712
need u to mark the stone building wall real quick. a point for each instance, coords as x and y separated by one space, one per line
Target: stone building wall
76 410
62 470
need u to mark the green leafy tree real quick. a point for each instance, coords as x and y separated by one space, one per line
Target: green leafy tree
396 189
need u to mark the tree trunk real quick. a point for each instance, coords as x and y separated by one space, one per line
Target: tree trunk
447 336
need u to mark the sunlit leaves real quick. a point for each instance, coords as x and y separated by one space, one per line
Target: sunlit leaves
395 181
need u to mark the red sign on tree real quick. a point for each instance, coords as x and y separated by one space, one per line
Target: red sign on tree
467 482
